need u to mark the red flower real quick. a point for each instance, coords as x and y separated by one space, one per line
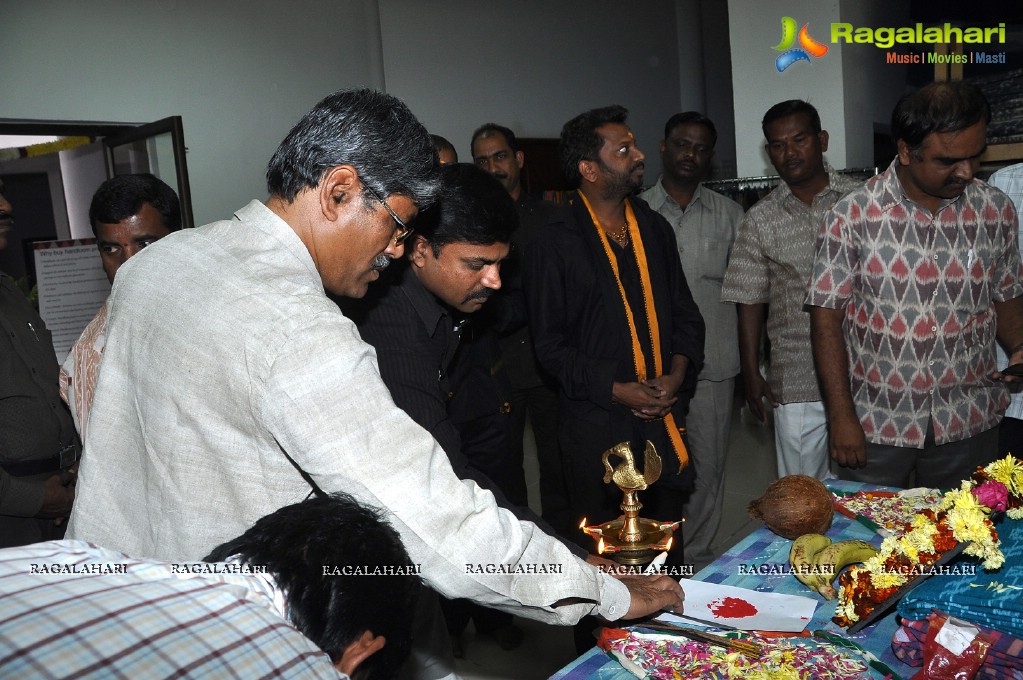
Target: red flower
992 494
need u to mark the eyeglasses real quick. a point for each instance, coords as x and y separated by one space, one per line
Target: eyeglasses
404 230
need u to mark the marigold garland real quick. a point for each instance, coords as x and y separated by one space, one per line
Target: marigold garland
960 517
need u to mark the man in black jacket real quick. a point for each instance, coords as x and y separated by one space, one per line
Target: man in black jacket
614 321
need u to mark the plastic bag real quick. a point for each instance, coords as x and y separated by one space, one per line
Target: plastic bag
953 649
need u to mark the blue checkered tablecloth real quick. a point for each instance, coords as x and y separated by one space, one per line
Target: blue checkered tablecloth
758 550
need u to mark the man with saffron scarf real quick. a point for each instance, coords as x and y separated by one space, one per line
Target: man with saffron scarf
614 321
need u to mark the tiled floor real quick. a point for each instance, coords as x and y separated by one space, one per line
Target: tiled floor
750 468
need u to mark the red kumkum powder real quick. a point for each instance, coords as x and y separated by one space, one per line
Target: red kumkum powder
732 608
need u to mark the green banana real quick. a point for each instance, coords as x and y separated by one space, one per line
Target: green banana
802 556
833 559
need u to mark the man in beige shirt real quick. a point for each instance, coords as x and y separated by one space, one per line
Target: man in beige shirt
770 266
233 385
705 224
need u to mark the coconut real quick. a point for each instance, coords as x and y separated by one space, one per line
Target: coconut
794 505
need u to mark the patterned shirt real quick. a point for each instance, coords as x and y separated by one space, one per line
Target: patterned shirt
918 290
705 231
69 609
771 262
78 374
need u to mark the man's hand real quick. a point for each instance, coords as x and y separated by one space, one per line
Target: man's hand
757 389
846 440
666 385
1016 358
57 497
603 563
651 594
646 401
671 382
1009 330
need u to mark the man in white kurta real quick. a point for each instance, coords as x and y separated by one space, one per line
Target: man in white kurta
231 385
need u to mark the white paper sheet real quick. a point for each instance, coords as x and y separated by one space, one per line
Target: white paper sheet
72 288
744 609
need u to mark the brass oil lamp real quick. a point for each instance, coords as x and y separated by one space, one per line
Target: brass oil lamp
631 540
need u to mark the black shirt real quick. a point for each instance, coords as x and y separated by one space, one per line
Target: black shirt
416 338
34 423
507 313
581 332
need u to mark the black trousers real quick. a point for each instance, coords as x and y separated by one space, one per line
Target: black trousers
539 404
934 466
1010 437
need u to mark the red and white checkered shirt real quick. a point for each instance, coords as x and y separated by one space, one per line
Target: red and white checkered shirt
918 290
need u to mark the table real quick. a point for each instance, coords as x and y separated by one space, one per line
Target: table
762 547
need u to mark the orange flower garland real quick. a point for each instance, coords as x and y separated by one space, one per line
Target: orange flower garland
960 517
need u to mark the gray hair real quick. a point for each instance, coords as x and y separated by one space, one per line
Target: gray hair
373 132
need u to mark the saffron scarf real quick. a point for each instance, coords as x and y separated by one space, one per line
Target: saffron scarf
638 360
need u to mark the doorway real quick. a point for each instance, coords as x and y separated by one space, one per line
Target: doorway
52 168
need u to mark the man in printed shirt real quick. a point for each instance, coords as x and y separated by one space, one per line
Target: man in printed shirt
916 274
705 225
328 567
770 264
127 213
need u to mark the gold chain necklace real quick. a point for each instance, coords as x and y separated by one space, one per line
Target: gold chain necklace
621 235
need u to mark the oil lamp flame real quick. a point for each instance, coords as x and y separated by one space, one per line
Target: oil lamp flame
668 545
582 524
600 546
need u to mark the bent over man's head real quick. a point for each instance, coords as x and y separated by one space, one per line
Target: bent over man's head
345 573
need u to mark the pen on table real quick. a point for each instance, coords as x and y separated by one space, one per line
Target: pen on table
748 648
712 624
656 564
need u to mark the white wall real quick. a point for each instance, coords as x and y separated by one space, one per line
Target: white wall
82 170
755 28
239 73
532 65
716 70
705 73
852 86
872 86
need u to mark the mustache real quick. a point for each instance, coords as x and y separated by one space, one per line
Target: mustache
481 294
381 261
638 166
